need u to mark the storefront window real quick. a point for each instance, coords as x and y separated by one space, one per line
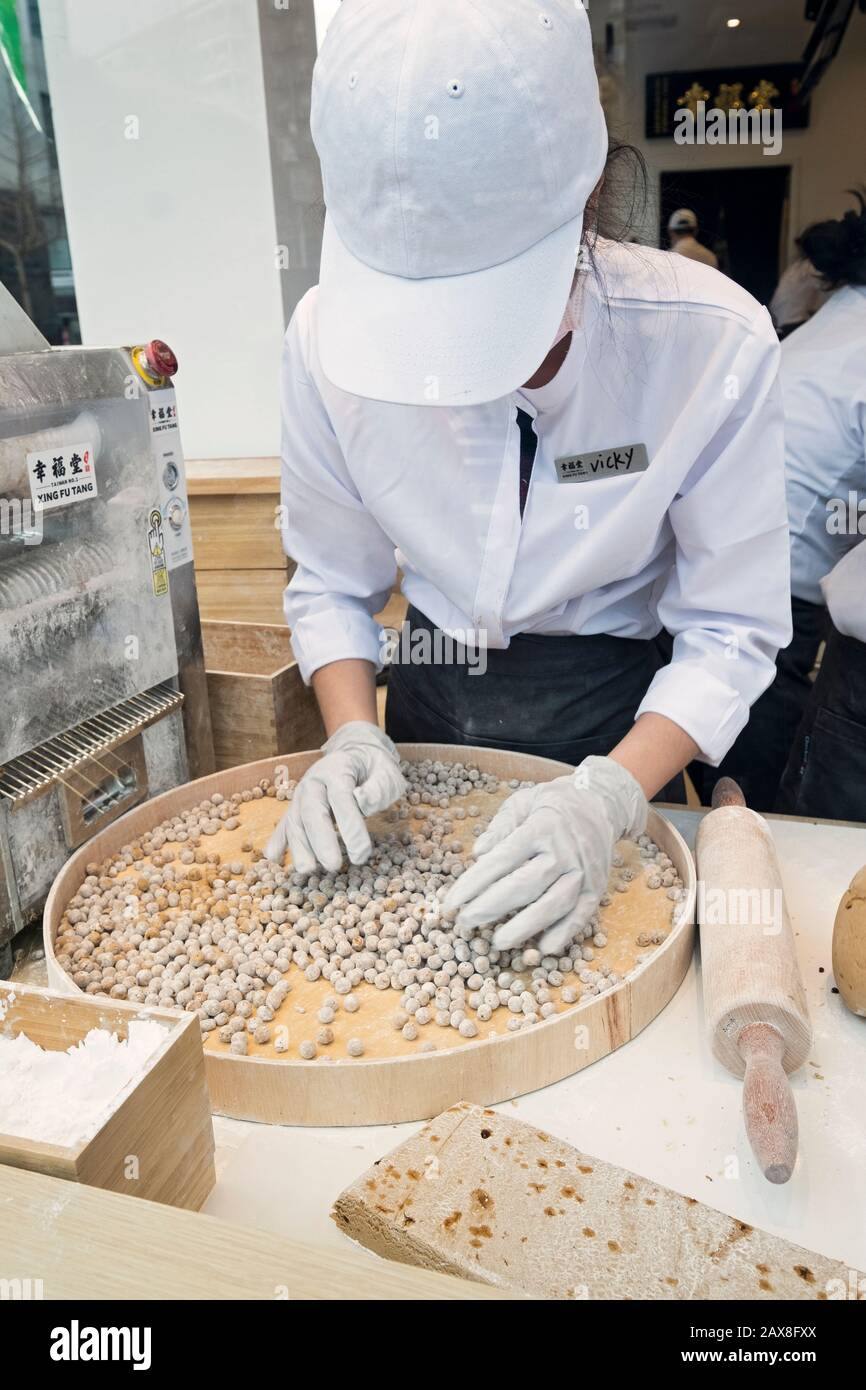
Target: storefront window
35 263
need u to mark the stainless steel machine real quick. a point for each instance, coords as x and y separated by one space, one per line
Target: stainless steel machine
103 697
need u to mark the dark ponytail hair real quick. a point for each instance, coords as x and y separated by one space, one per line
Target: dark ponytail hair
837 249
617 208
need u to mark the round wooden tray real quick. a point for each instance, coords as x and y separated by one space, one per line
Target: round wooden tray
391 1090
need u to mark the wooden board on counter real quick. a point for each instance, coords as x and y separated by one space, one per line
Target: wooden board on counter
80 1244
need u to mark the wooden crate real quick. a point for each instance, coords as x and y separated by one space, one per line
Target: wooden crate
237 533
161 1119
241 569
259 704
242 596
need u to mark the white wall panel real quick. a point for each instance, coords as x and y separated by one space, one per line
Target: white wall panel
162 137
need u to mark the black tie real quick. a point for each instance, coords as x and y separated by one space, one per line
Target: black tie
528 447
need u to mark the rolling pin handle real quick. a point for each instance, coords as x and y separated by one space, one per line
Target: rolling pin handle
768 1102
727 792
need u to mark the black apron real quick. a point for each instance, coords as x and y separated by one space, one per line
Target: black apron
556 697
826 772
757 759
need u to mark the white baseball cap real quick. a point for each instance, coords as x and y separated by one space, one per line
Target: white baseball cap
459 143
683 220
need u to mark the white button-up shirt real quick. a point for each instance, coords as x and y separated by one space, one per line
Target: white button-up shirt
670 355
823 378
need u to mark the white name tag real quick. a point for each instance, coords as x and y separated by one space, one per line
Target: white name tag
602 463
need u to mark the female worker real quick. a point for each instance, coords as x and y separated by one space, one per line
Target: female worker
563 443
824 398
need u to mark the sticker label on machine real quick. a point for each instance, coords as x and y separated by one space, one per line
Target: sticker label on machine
60 475
171 475
602 463
156 547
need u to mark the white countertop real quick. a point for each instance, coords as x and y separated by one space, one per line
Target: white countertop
661 1106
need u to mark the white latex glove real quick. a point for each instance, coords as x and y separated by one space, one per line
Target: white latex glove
548 851
359 775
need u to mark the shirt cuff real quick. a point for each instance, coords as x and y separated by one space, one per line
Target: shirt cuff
337 634
710 711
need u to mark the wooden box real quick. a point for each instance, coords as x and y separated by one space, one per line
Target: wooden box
240 567
157 1140
259 704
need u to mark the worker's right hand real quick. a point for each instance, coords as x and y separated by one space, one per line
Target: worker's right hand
358 776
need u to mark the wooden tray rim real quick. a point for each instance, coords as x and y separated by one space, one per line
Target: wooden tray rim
149 813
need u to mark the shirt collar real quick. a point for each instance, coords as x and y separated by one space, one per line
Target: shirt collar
549 397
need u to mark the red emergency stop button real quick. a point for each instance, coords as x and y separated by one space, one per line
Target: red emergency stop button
160 358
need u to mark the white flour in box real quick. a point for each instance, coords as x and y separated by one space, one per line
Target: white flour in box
64 1097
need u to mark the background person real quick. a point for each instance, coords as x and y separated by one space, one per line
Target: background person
823 378
683 233
799 294
826 772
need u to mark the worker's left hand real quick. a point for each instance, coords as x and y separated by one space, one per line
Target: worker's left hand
547 855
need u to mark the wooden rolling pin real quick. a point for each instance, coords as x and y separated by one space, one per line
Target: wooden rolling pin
753 994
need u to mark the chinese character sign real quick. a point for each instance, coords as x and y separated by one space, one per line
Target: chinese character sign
61 476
